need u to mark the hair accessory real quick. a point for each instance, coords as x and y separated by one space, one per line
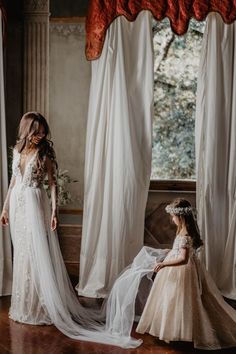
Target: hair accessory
179 211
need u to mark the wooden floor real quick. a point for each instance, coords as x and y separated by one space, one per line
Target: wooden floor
17 338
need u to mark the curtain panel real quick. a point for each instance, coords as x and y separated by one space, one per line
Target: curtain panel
102 13
118 154
216 152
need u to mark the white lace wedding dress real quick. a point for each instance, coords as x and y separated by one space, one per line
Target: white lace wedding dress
29 210
40 281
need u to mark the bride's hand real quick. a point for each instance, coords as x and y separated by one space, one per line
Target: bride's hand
4 218
159 266
54 222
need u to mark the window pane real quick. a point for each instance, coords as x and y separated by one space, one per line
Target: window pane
176 62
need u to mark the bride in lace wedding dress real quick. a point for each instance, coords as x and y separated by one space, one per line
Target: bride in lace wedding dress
40 281
42 293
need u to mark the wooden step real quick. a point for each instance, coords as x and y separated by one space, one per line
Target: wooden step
70 242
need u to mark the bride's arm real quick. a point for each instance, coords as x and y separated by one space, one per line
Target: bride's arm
52 181
4 215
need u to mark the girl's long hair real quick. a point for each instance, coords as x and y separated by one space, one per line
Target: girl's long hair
29 126
188 220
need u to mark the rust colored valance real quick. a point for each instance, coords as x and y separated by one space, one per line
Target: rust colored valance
101 13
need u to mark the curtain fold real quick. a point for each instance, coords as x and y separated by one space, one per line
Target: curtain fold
118 154
216 152
5 242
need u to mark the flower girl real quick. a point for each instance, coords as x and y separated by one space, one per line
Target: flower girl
184 303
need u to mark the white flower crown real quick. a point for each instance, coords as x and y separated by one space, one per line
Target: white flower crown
179 211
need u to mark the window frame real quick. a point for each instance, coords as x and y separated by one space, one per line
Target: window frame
172 185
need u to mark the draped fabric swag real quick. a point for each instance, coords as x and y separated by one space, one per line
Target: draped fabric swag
216 152
5 242
103 12
118 154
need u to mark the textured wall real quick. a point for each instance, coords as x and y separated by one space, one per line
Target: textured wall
68 99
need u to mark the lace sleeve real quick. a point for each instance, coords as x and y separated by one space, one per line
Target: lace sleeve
185 242
52 181
12 182
15 162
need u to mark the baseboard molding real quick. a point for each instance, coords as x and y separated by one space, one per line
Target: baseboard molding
172 185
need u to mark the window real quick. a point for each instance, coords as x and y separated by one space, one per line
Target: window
176 62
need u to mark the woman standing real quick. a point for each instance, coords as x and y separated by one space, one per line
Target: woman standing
30 215
184 303
42 293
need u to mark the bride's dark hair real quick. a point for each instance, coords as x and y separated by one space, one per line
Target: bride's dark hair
29 126
187 219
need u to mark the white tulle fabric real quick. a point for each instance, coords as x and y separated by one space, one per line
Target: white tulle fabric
184 304
118 154
216 151
42 292
129 294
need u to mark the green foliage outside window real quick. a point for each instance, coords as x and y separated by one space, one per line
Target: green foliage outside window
176 62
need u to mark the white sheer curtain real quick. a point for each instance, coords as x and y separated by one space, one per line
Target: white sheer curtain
118 154
5 243
216 152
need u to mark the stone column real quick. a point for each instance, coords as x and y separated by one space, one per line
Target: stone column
36 56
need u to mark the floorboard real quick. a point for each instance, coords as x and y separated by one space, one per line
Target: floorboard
16 338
